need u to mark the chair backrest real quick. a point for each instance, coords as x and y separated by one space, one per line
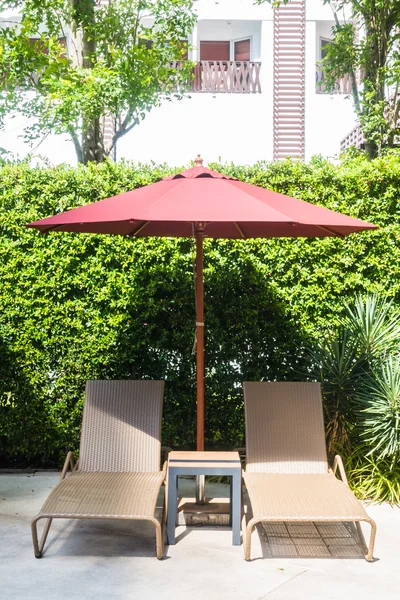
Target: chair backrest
284 428
121 426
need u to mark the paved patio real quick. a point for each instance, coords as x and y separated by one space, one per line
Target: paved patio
87 560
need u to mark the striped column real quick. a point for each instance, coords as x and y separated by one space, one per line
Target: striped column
108 120
289 80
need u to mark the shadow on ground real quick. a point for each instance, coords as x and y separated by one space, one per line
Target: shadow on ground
309 540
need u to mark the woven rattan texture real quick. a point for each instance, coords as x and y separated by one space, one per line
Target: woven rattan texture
284 428
309 497
121 495
121 427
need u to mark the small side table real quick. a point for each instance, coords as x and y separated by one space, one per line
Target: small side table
204 463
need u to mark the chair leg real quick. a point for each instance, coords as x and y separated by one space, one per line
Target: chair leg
368 551
247 541
164 518
361 537
242 516
370 554
38 547
159 538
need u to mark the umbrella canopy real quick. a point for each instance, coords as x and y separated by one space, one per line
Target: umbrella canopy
226 208
203 203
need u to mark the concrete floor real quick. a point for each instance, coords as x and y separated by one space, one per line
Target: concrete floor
116 560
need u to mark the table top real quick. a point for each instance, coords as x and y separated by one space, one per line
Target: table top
204 459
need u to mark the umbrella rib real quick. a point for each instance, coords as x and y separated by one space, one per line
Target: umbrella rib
52 228
139 229
331 231
239 230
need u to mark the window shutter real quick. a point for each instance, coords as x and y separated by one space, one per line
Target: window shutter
215 50
242 50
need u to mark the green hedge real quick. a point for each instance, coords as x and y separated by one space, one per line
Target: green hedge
75 306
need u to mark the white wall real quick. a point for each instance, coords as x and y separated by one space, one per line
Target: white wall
316 10
232 10
323 30
235 127
328 117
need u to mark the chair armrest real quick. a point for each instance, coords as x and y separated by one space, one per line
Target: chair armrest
164 471
165 450
69 462
338 464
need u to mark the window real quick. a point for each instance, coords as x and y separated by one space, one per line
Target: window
215 50
320 75
241 50
323 43
238 50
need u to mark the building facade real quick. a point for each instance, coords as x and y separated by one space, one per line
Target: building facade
257 92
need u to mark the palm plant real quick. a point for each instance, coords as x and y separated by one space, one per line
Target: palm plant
336 362
373 478
379 402
344 360
375 323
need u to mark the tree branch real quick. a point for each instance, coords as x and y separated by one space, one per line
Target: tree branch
77 145
353 80
120 132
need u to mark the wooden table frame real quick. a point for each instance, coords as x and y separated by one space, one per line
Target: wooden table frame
205 463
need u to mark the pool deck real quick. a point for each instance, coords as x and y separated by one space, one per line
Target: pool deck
87 560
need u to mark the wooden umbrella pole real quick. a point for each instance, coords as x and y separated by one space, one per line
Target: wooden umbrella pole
200 479
200 338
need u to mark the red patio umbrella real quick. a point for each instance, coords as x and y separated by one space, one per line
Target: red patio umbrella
203 203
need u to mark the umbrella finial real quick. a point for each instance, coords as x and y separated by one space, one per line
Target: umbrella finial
198 161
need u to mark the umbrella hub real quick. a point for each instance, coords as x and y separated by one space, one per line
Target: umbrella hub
199 228
197 172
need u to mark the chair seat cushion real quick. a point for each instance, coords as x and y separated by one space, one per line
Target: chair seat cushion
104 495
303 497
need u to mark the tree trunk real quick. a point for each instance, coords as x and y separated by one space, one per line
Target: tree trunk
371 149
374 88
93 142
91 146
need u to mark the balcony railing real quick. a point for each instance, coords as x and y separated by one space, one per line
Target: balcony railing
354 138
342 86
225 77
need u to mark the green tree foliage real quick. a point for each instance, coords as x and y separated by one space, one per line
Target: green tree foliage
78 306
114 65
365 48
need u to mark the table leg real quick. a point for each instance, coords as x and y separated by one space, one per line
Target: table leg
236 507
200 489
172 505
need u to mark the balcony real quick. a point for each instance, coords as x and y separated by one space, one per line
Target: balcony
225 77
343 85
354 138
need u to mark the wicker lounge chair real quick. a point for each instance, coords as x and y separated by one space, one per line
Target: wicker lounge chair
118 473
287 474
